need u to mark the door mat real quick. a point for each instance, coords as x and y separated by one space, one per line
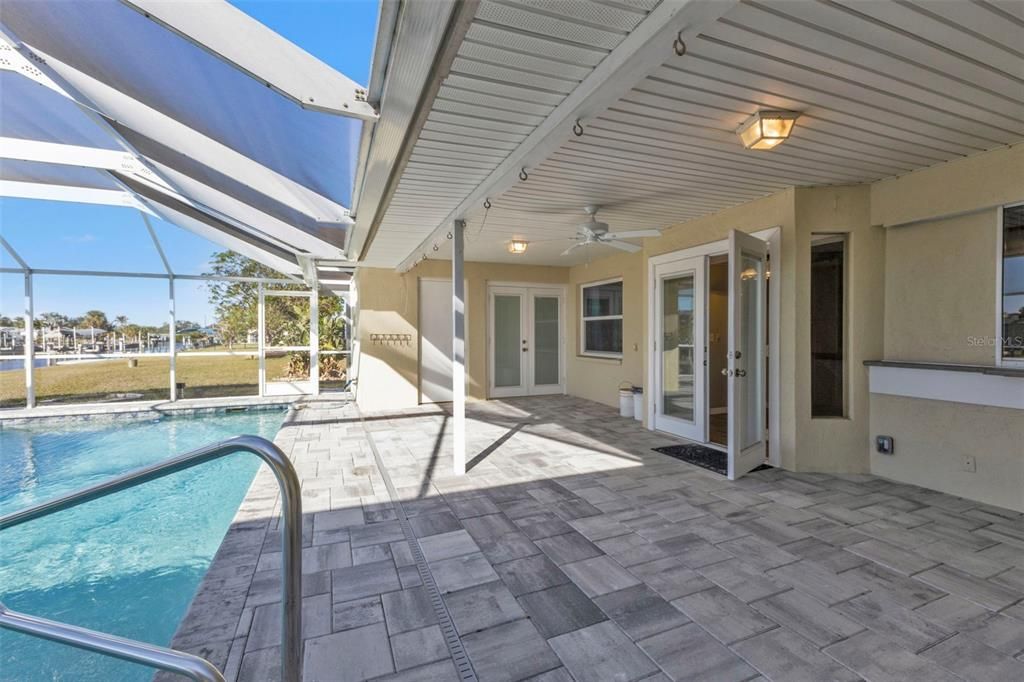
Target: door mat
708 458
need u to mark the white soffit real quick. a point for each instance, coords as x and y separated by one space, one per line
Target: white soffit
884 88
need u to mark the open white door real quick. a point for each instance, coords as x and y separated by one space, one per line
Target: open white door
748 265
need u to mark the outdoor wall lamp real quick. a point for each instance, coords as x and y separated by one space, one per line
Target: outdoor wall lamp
767 129
517 246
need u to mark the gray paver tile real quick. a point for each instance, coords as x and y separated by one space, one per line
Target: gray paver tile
640 611
835 559
482 606
530 574
355 614
908 628
727 618
433 524
448 545
511 651
376 534
599 575
409 609
602 652
908 592
971 588
819 582
365 652
972 660
741 580
890 556
670 579
557 610
782 655
462 571
689 653
808 617
876 658
364 580
431 672
568 547
417 647
758 553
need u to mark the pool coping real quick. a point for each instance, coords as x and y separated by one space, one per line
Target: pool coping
143 409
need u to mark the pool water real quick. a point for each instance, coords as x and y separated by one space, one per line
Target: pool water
127 564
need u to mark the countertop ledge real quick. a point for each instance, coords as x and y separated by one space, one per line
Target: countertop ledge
944 367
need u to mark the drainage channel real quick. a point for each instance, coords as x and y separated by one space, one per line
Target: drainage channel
444 619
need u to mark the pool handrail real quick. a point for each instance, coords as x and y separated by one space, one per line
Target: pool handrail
179 662
291 532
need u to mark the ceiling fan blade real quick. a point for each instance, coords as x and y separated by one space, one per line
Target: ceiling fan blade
572 248
635 234
624 246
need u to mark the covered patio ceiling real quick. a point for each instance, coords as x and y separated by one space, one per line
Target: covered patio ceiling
194 112
882 88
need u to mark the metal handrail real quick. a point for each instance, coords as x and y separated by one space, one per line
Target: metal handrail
291 555
193 667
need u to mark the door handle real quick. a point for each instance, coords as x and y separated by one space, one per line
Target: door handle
741 372
726 372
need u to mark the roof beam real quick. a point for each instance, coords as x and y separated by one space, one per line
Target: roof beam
646 48
80 195
247 45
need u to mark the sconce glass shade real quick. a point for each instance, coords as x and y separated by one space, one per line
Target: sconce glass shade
517 246
767 129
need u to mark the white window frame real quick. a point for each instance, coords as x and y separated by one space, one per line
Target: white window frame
1000 360
597 318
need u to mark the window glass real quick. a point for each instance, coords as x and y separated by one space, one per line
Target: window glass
1013 283
827 330
602 318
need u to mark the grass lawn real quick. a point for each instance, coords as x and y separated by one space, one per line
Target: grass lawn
96 380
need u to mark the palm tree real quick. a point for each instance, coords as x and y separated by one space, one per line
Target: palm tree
95 319
120 321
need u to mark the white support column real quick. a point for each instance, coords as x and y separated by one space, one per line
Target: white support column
458 348
314 340
172 340
260 350
30 345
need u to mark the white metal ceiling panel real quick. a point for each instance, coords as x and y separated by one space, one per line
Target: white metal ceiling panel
883 88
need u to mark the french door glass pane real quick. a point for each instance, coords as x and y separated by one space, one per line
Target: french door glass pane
1013 282
545 340
750 345
677 355
507 352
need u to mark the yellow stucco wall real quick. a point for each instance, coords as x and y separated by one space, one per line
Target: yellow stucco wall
932 436
389 304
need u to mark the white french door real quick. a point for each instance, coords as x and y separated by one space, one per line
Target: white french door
526 341
747 362
679 333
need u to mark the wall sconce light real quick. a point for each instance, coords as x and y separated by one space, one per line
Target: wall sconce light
517 246
767 129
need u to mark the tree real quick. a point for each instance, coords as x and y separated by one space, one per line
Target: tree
120 321
286 318
95 319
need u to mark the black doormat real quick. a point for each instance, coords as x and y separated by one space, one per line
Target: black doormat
708 458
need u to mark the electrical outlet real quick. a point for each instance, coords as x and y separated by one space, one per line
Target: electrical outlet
968 463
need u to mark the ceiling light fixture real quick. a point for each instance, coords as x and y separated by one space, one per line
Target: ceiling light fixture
767 129
517 246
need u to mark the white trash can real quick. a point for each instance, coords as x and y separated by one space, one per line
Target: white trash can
625 401
638 403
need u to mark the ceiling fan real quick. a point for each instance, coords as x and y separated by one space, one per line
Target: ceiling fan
596 232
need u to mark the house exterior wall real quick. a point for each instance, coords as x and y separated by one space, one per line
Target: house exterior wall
921 276
940 288
389 304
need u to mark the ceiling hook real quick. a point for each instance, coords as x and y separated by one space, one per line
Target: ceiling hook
577 129
450 235
436 247
678 45
523 175
487 204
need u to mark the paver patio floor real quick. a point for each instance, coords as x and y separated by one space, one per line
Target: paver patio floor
572 551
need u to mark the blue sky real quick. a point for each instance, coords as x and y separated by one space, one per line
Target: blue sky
78 236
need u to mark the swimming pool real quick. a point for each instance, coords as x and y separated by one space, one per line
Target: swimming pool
127 564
